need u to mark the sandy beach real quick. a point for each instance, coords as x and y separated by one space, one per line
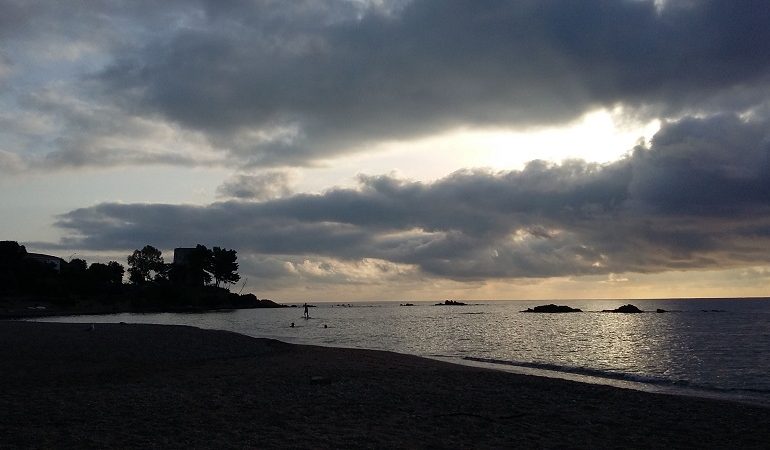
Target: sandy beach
123 386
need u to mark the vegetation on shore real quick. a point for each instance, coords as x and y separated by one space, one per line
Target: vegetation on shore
37 285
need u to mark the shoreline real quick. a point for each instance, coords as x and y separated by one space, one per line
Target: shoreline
618 382
670 389
526 369
29 310
122 385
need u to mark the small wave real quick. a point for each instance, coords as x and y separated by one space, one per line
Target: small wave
757 394
582 371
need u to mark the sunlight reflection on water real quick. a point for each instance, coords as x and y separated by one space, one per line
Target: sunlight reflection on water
726 351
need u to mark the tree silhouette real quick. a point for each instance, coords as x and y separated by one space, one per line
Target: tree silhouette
145 263
11 254
75 266
224 266
110 274
73 276
115 272
197 265
11 265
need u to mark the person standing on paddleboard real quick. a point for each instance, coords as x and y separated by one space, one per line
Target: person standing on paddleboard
307 314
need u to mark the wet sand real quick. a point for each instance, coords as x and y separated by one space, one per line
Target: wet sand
121 386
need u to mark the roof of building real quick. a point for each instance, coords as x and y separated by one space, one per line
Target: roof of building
42 256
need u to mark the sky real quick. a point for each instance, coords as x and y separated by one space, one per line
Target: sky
398 149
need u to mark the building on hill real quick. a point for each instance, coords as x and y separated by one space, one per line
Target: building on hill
189 267
182 256
53 261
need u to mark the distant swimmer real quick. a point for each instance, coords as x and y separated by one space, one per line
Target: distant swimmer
292 325
307 313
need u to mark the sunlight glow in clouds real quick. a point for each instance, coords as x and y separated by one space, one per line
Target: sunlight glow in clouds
596 137
600 136
380 148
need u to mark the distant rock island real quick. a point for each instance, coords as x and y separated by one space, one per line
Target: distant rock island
626 309
551 308
450 303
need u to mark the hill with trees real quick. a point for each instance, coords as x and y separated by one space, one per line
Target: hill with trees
198 279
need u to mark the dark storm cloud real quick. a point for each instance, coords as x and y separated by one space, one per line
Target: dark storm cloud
435 64
718 166
698 197
286 83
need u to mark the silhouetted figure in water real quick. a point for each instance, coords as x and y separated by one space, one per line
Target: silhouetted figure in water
292 325
307 313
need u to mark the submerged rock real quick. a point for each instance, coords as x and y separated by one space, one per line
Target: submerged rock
551 308
627 309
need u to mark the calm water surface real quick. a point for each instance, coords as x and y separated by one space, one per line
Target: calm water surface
721 347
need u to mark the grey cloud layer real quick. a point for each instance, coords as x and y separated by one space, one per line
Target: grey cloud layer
276 83
262 186
698 197
438 64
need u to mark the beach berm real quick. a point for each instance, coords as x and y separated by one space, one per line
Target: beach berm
144 386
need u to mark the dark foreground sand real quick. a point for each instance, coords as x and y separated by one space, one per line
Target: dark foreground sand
62 386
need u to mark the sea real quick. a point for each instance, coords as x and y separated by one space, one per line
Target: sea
716 348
